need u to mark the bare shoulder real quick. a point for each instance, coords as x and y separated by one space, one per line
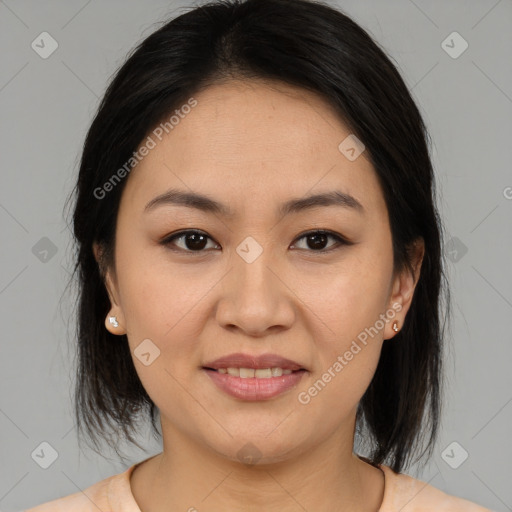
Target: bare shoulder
409 494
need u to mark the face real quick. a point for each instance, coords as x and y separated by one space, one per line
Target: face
258 278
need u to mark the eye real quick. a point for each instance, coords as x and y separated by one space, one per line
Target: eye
316 240
196 241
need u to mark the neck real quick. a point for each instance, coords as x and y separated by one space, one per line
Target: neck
188 476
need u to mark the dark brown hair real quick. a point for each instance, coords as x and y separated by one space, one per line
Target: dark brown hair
306 44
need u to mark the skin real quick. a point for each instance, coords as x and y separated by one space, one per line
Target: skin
252 146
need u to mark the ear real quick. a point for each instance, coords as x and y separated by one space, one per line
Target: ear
403 287
110 283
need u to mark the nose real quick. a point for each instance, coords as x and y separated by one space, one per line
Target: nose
257 298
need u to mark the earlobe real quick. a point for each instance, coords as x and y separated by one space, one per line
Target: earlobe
113 324
114 321
404 286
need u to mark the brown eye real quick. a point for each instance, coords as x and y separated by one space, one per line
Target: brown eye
316 241
197 241
191 241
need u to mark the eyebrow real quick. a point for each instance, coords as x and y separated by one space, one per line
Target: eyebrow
209 205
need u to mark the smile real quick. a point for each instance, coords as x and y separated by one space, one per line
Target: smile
254 384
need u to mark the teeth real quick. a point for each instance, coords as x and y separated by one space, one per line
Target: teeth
245 373
260 373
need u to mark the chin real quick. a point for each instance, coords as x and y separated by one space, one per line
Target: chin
259 450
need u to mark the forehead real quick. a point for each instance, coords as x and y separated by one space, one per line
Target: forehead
247 141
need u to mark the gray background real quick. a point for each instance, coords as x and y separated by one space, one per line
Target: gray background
46 107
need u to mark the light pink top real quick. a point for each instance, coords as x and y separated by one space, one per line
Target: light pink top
402 493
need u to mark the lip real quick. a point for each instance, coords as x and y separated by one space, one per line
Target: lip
252 388
240 360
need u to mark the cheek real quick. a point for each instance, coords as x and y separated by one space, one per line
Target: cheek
169 305
348 342
156 294
168 310
346 307
347 299
157 303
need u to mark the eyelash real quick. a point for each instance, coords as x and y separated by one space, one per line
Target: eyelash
340 241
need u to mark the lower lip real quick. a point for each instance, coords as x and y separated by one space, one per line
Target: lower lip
253 388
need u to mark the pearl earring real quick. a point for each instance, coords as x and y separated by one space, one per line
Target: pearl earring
395 326
113 321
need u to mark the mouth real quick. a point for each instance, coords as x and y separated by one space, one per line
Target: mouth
249 362
254 384
254 377
254 373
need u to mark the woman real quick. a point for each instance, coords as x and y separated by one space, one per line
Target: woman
260 268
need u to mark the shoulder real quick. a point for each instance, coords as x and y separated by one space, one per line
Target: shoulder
409 494
104 495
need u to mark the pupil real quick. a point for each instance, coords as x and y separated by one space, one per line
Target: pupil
314 239
194 241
